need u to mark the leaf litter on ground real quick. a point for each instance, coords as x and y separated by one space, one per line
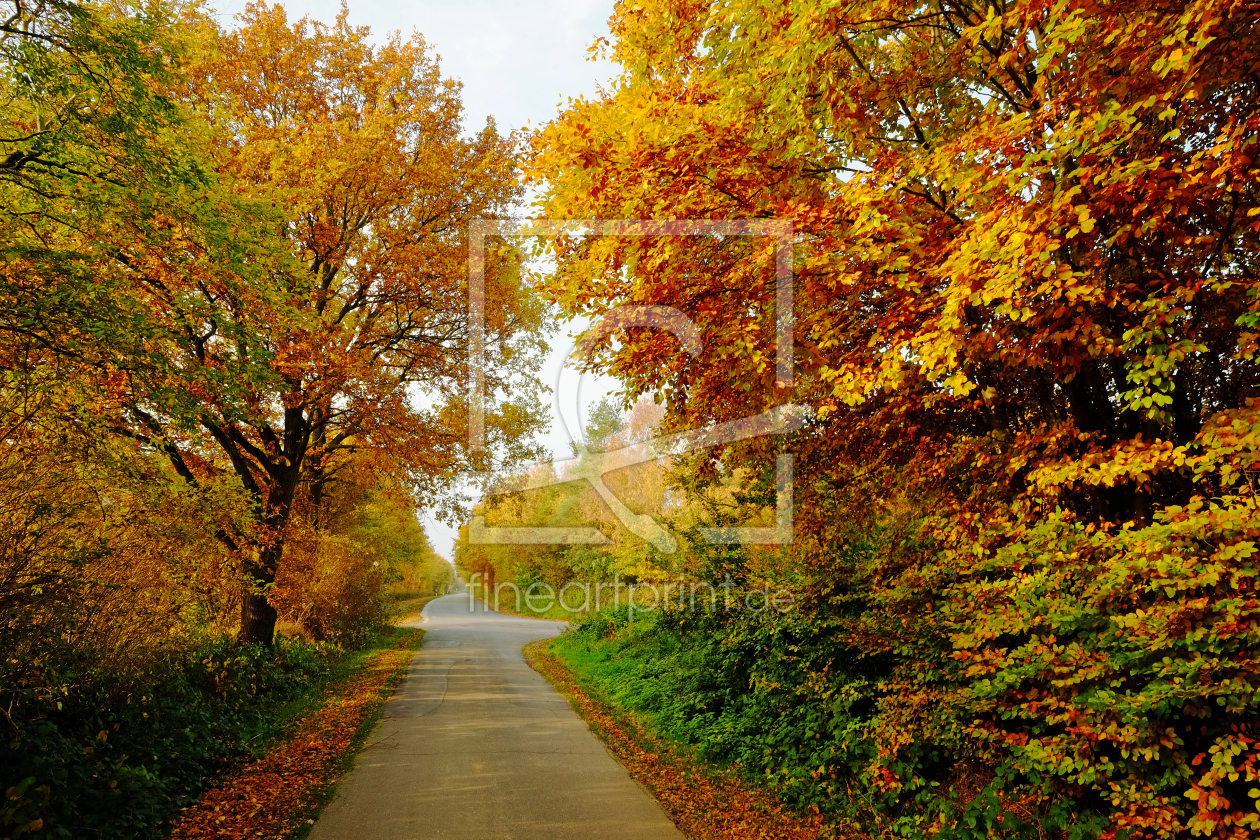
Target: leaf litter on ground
704 801
275 796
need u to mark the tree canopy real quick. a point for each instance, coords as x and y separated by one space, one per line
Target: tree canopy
327 339
1024 318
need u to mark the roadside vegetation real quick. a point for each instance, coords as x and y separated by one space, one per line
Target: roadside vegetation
279 794
705 801
1020 405
212 441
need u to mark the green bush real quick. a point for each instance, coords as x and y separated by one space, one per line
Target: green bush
1065 680
114 755
744 689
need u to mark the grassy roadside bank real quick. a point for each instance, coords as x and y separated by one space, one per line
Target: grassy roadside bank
705 802
281 793
553 613
407 610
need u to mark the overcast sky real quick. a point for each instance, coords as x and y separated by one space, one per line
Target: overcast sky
519 62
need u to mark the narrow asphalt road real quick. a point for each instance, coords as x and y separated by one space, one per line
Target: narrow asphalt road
475 745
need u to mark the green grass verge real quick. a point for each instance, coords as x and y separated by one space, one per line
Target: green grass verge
696 682
509 604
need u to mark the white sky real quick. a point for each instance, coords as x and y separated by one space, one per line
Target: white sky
519 62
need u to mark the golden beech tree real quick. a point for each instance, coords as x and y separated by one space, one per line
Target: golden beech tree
1015 220
1026 245
346 329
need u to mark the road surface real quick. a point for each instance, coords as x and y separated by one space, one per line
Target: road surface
475 745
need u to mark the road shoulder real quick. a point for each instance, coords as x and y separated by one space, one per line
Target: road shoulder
280 794
704 802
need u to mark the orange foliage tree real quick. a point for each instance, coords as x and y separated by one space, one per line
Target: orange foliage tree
1026 245
347 329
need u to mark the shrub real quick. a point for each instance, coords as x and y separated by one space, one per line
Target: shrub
116 755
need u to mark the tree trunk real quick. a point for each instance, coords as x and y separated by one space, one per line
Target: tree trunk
258 619
258 616
1088 400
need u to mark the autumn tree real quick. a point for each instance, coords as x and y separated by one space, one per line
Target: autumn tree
98 160
90 142
347 329
970 190
1026 239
